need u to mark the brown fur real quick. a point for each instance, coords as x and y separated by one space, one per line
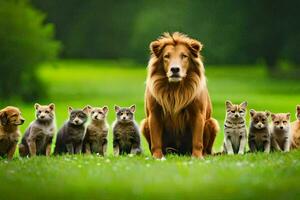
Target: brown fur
295 130
178 114
10 118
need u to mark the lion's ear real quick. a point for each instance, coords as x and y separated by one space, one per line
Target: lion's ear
155 48
196 47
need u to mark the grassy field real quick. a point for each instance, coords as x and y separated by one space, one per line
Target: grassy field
98 83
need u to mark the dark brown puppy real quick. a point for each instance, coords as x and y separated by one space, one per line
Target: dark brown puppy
10 119
178 106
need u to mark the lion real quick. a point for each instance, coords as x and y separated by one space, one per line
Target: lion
177 103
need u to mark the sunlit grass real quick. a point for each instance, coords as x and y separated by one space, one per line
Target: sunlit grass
97 83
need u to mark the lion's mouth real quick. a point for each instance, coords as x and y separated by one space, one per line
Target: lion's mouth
175 78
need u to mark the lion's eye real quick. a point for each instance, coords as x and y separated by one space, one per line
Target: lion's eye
183 56
167 56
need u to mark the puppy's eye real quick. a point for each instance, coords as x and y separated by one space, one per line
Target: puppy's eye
39 112
240 111
101 113
47 112
256 121
284 122
92 112
167 56
233 111
277 122
120 113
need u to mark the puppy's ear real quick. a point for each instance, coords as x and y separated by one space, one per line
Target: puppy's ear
156 48
195 47
132 108
117 108
36 106
228 104
298 108
244 104
272 116
3 118
70 109
87 109
252 112
288 115
51 106
105 109
267 113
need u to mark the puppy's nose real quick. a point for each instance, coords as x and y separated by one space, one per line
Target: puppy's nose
281 127
236 115
22 121
42 117
76 121
124 117
175 69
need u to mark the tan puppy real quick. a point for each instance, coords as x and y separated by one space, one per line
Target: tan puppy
10 118
295 128
95 139
280 132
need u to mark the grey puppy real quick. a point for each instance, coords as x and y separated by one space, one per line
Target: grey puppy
235 133
126 134
37 139
259 132
70 136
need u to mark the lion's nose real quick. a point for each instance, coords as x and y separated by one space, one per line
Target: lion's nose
175 69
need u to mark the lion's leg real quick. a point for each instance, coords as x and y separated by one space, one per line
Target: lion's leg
211 129
197 141
155 131
146 131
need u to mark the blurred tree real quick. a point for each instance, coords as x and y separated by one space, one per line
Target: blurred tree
25 42
233 32
92 29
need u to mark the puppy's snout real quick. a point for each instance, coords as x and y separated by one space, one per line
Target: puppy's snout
175 70
22 120
236 115
76 121
123 118
281 127
42 116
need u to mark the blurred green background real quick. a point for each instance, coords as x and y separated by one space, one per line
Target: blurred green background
95 52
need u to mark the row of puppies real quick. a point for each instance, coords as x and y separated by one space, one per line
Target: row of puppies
280 135
74 137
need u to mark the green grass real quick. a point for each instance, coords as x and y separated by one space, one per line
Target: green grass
98 83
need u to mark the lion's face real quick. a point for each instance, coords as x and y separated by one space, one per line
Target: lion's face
176 54
176 62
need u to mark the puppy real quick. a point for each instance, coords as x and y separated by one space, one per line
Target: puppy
235 133
295 127
126 134
280 132
95 139
70 136
10 119
259 132
37 139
